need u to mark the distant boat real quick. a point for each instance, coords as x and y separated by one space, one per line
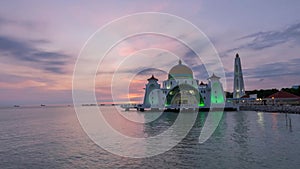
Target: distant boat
16 105
42 105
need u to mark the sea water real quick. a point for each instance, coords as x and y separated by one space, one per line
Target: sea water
51 137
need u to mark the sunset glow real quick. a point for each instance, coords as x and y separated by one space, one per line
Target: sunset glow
39 47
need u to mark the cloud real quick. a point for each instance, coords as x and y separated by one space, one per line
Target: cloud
3 21
152 71
53 62
196 63
270 70
270 75
267 39
10 23
40 41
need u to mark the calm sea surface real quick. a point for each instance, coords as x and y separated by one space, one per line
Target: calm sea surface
51 137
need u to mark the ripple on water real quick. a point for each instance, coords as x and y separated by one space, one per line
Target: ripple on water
53 138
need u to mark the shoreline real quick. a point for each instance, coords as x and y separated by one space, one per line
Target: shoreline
263 108
272 108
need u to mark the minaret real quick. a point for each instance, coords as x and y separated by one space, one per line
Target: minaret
217 97
238 85
150 86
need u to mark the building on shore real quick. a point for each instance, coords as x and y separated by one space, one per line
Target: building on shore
181 90
282 98
276 99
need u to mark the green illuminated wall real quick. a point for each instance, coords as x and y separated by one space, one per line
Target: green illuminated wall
217 95
184 87
201 103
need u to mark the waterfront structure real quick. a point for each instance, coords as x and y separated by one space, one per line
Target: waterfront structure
181 90
282 98
238 83
150 88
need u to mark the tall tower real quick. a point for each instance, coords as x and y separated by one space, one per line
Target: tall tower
216 93
238 85
150 86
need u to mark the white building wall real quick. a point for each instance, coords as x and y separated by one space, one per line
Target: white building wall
157 98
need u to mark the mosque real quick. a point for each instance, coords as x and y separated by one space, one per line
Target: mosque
182 91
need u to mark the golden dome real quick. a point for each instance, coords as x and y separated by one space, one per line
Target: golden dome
180 71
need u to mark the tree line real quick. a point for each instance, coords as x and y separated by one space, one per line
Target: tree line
263 93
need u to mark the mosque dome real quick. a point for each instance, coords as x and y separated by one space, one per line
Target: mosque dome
180 71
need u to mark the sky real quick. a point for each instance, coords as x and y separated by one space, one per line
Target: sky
41 40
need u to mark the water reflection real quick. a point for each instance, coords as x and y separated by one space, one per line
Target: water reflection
288 122
241 136
160 124
274 121
241 129
53 138
210 125
205 124
260 119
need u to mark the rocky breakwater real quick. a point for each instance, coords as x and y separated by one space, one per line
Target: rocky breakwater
272 108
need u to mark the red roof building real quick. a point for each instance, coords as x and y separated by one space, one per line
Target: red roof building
284 95
283 98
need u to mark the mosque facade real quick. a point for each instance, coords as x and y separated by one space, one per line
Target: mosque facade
182 90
